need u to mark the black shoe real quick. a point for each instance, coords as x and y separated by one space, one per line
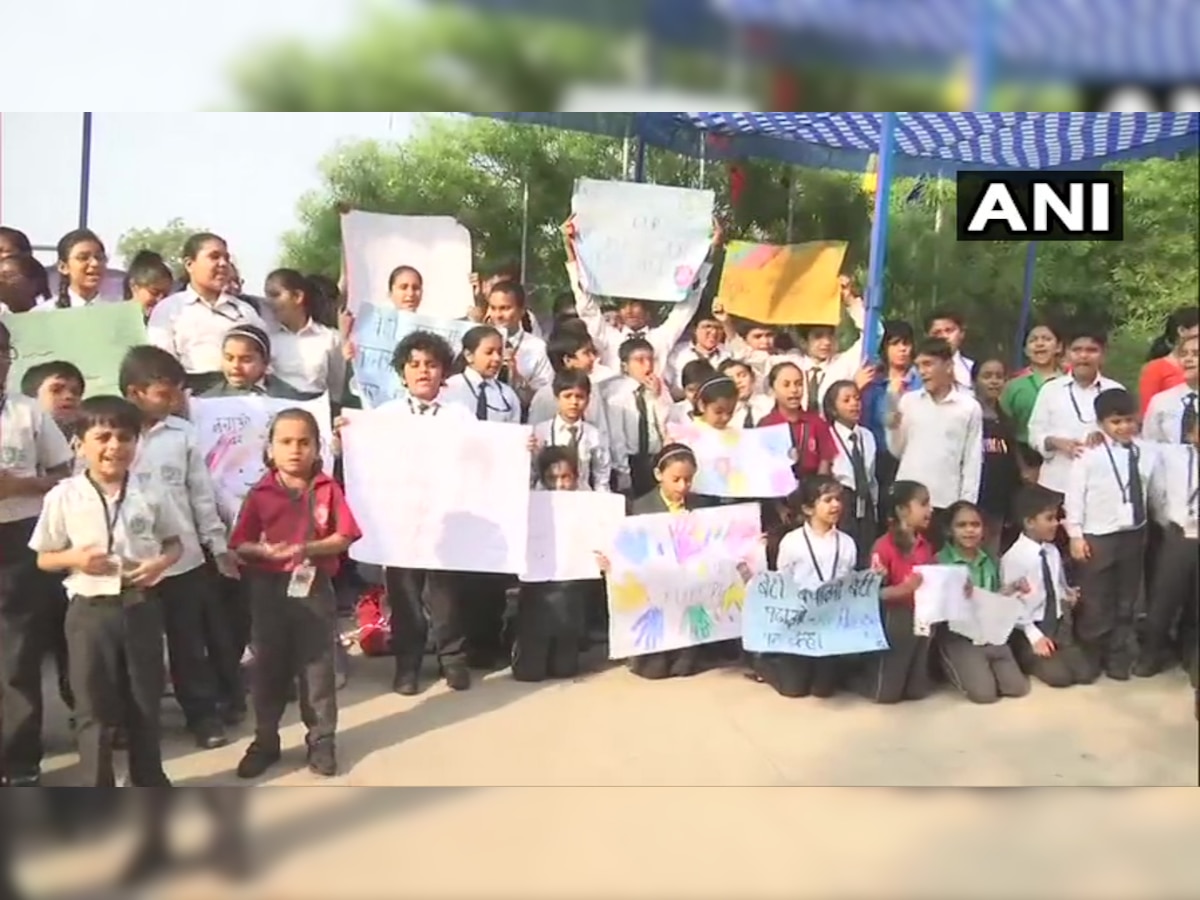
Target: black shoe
1148 665
458 678
407 684
1118 671
210 736
322 760
258 758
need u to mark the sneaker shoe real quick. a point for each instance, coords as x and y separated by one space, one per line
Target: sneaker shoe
210 736
458 678
322 760
259 757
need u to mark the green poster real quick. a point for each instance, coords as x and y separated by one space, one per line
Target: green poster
95 338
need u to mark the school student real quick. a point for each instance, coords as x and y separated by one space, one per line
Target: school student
902 671
82 264
406 288
476 385
983 673
1175 586
952 328
169 459
1004 466
34 456
853 467
293 526
1165 368
895 376
674 470
812 441
1168 409
116 538
1043 353
551 615
937 433
752 405
23 283
695 373
191 324
1063 422
526 367
305 355
245 352
754 343
568 431
1044 643
147 281
816 553
823 364
706 344
1106 514
638 407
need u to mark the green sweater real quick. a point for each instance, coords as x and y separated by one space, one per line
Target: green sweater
982 570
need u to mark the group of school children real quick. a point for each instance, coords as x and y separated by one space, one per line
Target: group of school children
1039 484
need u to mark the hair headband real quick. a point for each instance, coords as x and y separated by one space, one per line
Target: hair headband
716 379
672 454
242 332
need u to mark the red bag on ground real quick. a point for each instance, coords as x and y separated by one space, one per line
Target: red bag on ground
374 623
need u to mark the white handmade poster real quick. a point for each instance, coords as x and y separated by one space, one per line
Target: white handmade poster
992 617
739 462
438 247
435 492
642 241
231 434
940 597
566 528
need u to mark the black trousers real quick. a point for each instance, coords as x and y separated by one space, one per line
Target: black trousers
800 676
549 625
901 672
424 600
115 647
1068 665
641 474
1109 584
862 529
226 635
185 599
886 467
666 664
27 622
1175 598
484 598
293 640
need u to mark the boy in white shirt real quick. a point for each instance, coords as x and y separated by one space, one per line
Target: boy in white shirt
951 328
706 344
638 407
526 366
572 389
1167 410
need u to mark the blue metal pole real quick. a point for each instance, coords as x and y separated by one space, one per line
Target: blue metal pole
879 236
1026 306
983 55
85 170
639 158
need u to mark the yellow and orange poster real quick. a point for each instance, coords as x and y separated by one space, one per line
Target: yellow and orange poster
783 284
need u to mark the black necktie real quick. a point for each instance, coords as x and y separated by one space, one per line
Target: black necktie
748 422
503 376
643 428
481 402
1050 617
1137 496
424 408
862 481
639 335
1189 416
814 387
573 441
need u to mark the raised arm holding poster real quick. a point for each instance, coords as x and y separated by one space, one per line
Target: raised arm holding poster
641 241
783 285
377 330
838 618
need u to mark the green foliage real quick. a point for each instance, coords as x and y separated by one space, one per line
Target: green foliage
166 241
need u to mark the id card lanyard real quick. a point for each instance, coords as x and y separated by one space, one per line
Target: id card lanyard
111 516
301 580
812 555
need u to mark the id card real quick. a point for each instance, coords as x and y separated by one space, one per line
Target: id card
1125 512
301 582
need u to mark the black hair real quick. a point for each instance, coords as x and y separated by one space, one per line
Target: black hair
1182 318
728 364
571 379
36 376
811 331
977 365
507 271
194 244
1114 402
632 346
563 307
565 344
512 289
777 370
958 506
812 488
744 326
698 371
66 244
254 335
1032 500
18 239
784 341
948 315
1044 322
294 414
829 401
938 348
719 387
145 365
145 268
400 270
422 342
325 301
471 341
896 331
549 457
33 271
293 282
899 496
570 325
108 411
672 453
1088 332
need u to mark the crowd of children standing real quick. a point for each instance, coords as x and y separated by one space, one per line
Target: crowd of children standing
1050 484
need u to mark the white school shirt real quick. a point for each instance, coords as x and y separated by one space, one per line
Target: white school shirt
620 395
169 462
75 516
833 553
594 457
841 366
503 404
544 407
532 362
686 353
680 412
1163 422
758 405
1063 409
1024 561
442 405
761 362
662 338
843 467
940 444
193 331
1175 488
962 372
310 360
31 444
75 302
1097 497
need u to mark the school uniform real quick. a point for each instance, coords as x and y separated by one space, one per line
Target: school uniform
1106 506
1046 614
114 631
544 407
638 420
193 331
30 445
309 360
490 399
1001 476
74 301
820 375
983 673
1175 586
686 353
532 364
293 618
591 451
748 413
1063 409
267 386
854 468
963 367
902 671
813 559
877 400
680 412
668 663
1163 422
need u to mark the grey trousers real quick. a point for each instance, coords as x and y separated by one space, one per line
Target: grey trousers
983 674
902 671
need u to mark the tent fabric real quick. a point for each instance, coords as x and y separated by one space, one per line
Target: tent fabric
925 143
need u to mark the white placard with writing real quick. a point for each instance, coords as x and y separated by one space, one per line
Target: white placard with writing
566 528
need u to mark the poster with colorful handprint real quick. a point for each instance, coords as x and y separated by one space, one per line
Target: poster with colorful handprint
739 462
679 579
231 434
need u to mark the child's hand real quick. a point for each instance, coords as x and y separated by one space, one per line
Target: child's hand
94 561
864 376
274 552
794 455
603 562
744 570
227 565
339 423
877 565
1016 588
1095 439
533 444
913 581
968 589
146 573
1071 597
718 238
1044 647
892 420
568 227
474 313
476 284
718 311
349 350
1080 549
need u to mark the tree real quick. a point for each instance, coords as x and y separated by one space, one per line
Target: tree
166 241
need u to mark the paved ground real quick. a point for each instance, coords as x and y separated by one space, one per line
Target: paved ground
718 729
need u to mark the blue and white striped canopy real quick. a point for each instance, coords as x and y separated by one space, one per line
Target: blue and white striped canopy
924 143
